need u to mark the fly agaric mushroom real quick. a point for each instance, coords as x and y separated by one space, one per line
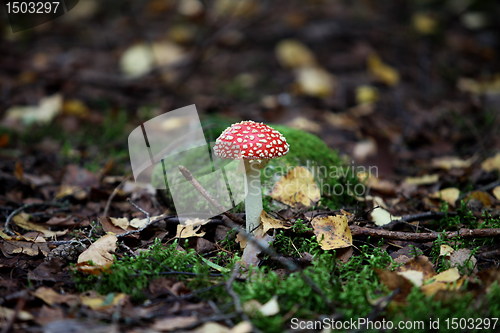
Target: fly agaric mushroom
256 144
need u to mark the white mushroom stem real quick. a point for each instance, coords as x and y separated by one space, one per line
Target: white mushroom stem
253 200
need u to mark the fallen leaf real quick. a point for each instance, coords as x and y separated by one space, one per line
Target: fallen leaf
492 163
463 258
449 195
49 296
120 222
297 188
332 232
174 323
99 253
294 54
381 217
22 220
191 228
423 180
482 86
213 327
381 71
98 302
137 60
447 280
315 81
270 308
366 94
364 149
43 113
24 247
496 192
451 162
48 314
304 124
424 23
395 281
6 315
415 277
269 222
483 197
421 264
445 250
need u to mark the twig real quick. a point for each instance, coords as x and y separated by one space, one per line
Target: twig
113 194
148 222
234 295
287 263
7 227
417 217
425 236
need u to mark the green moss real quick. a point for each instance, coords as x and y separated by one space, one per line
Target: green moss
335 178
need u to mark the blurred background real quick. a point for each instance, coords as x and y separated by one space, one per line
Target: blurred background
388 83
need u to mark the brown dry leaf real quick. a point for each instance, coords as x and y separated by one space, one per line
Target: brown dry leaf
22 220
6 314
451 162
492 163
297 189
241 239
447 280
483 197
395 281
29 248
381 71
100 253
294 54
449 195
496 192
423 180
332 232
174 323
269 222
380 185
98 302
463 257
120 222
49 296
71 191
315 81
191 228
421 264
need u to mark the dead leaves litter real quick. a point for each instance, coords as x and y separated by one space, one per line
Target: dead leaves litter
98 256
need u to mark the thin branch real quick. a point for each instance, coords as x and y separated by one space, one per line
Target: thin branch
7 227
424 236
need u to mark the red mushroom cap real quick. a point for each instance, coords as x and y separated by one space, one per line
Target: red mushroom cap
250 140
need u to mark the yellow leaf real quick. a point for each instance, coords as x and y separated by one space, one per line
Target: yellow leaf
315 81
100 253
414 276
49 296
382 217
423 180
6 314
332 232
120 222
424 23
447 280
451 162
496 192
489 86
445 250
366 94
381 71
269 222
449 195
75 107
96 301
191 228
22 220
297 188
43 113
492 163
294 54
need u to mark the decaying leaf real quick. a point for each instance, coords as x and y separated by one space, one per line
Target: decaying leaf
22 220
381 217
49 296
269 222
43 113
381 71
447 280
496 192
332 232
482 86
98 302
424 23
6 315
315 81
423 180
294 54
451 162
29 248
445 250
366 94
191 228
297 188
449 195
174 323
270 308
492 163
98 256
120 222
483 197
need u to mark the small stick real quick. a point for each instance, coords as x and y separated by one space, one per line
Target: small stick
234 295
113 194
7 227
148 222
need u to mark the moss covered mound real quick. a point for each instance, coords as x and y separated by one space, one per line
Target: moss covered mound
336 179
